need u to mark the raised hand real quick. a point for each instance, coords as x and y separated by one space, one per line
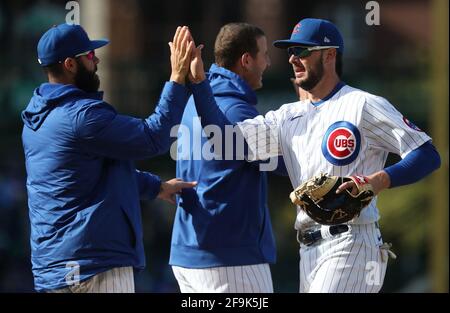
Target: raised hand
180 54
197 70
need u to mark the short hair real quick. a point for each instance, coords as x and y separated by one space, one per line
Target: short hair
55 69
233 40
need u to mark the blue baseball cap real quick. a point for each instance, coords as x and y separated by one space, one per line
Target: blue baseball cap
313 32
63 41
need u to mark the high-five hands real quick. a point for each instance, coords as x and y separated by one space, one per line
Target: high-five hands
181 49
186 57
197 70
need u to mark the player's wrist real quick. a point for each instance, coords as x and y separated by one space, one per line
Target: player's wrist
178 78
197 79
386 179
379 181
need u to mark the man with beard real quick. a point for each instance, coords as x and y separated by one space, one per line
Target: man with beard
339 130
83 188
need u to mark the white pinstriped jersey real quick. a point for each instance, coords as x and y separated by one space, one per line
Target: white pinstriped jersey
350 133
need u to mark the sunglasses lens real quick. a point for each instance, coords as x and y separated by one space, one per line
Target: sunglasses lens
91 55
299 52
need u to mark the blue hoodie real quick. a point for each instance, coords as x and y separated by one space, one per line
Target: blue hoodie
225 220
83 188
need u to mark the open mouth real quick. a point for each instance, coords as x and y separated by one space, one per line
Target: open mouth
299 71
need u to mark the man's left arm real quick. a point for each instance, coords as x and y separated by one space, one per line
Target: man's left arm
387 129
415 166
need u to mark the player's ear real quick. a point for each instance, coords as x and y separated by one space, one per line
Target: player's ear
246 60
329 55
70 65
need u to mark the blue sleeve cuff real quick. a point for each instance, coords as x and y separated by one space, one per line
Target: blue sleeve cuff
149 185
204 98
175 93
415 166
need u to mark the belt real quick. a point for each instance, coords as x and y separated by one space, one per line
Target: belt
310 237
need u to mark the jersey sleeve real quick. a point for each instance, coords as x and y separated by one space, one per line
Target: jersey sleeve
241 112
387 129
262 135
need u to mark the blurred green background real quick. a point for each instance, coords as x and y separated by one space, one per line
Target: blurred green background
404 59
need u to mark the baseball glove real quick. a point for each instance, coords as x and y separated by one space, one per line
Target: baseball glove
317 197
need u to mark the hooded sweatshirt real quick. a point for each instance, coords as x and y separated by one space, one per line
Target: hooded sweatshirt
225 220
83 188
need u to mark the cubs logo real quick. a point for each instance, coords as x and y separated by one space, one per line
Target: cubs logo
296 29
341 143
411 124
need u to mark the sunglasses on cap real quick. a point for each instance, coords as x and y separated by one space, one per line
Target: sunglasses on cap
303 52
89 54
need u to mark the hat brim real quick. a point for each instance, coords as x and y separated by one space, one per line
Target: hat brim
95 44
283 44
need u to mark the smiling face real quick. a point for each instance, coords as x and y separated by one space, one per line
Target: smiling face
255 66
308 71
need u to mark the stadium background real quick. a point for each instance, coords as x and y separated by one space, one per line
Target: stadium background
404 59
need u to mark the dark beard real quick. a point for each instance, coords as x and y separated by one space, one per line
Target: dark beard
314 76
85 80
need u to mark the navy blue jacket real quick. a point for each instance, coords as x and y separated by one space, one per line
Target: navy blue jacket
83 188
225 220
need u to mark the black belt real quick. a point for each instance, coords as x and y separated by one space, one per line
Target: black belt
310 237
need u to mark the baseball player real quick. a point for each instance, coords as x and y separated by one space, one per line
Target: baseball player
83 187
222 238
339 130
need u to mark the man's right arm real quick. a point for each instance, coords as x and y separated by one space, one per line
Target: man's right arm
240 112
100 130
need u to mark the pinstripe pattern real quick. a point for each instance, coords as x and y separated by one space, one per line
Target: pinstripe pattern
342 263
228 279
339 264
298 129
116 280
389 137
